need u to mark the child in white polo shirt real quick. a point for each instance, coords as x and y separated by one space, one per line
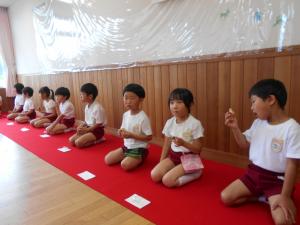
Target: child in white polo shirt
135 130
91 131
273 141
18 103
48 112
28 112
182 143
65 111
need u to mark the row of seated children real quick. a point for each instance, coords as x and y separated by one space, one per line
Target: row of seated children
272 140
59 116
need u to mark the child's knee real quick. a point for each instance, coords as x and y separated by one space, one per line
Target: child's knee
78 143
169 181
71 140
18 120
49 131
107 159
126 165
156 175
226 198
35 124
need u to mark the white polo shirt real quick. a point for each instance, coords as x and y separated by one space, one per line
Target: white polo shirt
28 105
189 130
271 145
138 124
19 100
94 114
67 109
49 106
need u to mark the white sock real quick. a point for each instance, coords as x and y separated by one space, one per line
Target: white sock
188 178
263 199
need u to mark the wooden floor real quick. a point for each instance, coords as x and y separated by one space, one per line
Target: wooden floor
32 192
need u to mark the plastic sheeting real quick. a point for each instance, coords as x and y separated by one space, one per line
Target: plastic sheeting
82 35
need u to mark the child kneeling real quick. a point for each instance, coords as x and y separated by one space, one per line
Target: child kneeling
48 113
274 151
183 133
28 112
135 130
65 111
92 130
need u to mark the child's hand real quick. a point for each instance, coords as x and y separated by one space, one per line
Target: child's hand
288 207
120 132
178 141
230 119
82 130
125 134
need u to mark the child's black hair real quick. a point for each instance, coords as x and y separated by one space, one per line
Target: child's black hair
63 91
19 87
49 92
184 95
28 90
90 89
136 89
265 88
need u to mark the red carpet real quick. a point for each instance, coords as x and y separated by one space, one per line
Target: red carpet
195 203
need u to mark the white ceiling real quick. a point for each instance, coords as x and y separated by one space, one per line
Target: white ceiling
6 3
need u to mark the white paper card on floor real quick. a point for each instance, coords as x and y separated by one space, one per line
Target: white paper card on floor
24 129
137 201
64 149
10 124
44 135
86 175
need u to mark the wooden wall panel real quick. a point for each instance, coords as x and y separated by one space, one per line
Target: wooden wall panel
250 77
217 84
191 72
202 97
236 98
212 105
224 104
295 88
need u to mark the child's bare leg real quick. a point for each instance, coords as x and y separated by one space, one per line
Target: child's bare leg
45 125
12 116
22 119
73 138
114 157
56 129
129 163
40 123
32 122
170 179
85 140
278 214
161 169
235 193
